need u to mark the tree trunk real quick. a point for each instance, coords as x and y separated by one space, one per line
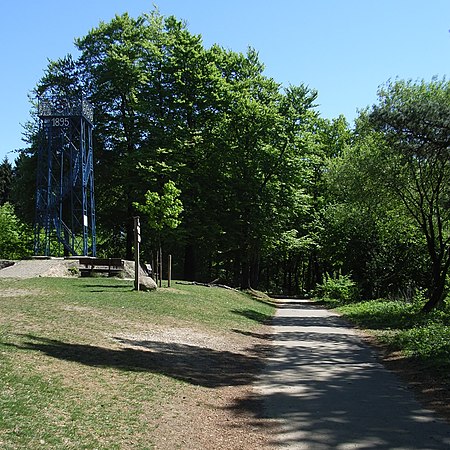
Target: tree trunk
190 268
437 290
435 299
245 274
130 239
254 271
129 254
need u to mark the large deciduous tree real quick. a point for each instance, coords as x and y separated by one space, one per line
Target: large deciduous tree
112 65
166 109
414 120
259 141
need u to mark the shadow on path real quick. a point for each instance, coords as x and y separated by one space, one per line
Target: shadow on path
328 390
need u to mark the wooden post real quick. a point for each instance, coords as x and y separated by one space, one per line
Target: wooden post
154 265
137 240
160 266
169 273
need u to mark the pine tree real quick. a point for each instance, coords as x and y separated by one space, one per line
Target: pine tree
6 176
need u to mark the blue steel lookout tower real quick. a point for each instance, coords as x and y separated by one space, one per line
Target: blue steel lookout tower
65 206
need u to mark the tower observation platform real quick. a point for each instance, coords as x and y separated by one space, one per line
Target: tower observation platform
65 205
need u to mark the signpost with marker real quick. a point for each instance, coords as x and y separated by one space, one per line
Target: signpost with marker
137 242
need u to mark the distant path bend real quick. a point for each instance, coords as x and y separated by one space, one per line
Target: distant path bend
328 390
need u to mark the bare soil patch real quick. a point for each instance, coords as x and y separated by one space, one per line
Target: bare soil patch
217 371
18 293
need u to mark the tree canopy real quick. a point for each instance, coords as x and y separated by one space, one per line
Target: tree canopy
241 178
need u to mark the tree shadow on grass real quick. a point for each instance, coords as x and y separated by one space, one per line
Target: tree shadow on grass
253 315
189 363
108 287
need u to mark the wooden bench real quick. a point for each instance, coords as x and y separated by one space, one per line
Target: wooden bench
111 266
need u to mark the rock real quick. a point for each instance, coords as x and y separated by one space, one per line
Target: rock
146 283
5 263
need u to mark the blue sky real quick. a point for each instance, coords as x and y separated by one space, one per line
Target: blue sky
343 48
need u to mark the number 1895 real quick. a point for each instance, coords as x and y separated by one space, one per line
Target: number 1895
60 122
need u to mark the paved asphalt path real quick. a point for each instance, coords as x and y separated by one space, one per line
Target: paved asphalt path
328 390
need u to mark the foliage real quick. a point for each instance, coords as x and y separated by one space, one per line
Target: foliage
382 314
429 342
374 242
14 236
253 187
388 223
415 165
341 288
273 196
23 187
162 210
6 175
230 138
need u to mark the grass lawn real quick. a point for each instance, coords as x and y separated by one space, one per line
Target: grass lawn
88 363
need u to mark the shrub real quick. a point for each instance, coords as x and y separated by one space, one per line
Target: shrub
14 238
430 341
342 288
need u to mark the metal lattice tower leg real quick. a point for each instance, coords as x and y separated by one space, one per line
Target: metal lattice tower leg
65 204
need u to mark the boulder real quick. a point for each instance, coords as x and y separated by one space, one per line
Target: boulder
146 283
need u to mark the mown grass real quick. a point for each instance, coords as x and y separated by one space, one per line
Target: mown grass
65 381
403 327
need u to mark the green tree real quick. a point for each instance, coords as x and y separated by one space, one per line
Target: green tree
153 86
209 120
152 83
112 65
326 140
394 190
61 78
185 104
261 146
6 176
367 233
413 119
23 192
14 237
162 210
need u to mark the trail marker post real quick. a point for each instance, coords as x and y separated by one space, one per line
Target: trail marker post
137 241
169 271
